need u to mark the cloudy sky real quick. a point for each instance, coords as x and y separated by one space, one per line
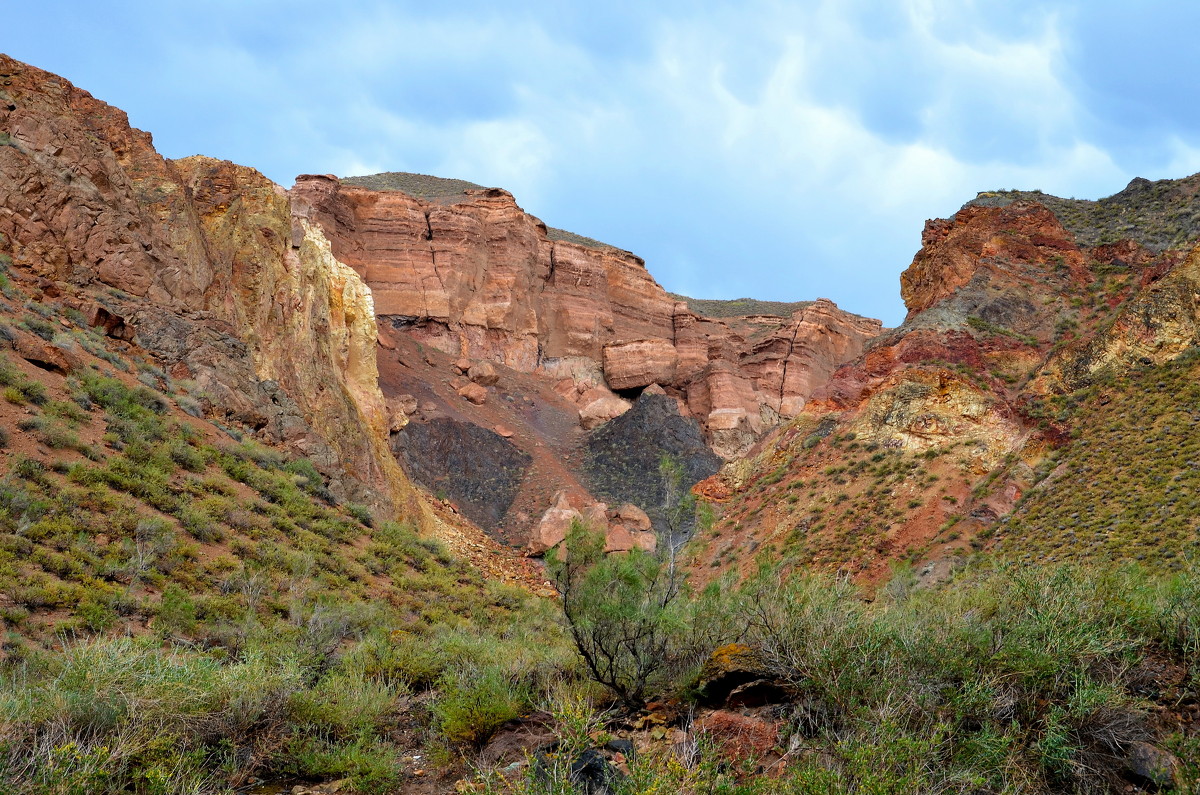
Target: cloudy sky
781 150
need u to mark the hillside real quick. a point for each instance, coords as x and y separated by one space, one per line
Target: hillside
1032 371
1157 215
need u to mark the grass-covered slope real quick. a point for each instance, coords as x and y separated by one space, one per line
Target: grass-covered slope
421 186
185 610
1127 486
1008 679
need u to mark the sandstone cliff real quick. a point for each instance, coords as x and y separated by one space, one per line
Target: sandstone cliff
206 269
467 272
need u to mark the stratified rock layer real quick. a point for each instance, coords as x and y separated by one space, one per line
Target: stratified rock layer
206 269
474 276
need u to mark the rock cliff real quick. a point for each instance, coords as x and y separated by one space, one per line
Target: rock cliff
467 272
202 264
571 332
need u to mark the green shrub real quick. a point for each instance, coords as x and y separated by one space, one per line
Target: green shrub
626 614
473 703
176 611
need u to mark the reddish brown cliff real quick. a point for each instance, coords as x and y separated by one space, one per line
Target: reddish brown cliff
201 264
916 448
475 276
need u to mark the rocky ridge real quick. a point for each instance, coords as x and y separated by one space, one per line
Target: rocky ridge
203 265
922 447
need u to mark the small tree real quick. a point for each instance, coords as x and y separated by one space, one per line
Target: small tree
624 611
679 504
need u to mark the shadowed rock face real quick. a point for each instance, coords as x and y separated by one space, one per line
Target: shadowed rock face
623 458
201 263
476 468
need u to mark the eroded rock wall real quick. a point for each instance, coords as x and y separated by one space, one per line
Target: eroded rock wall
477 277
207 270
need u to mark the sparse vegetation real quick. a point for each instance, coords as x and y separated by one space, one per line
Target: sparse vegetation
1125 488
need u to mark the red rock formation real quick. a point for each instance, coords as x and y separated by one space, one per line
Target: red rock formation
625 527
477 277
989 294
209 272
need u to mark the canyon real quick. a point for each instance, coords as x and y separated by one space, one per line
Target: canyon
331 456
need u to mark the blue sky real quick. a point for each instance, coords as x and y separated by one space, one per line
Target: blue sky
780 150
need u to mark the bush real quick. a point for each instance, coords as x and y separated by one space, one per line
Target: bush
474 703
626 614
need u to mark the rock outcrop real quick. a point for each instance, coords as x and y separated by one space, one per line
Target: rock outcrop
625 528
201 263
474 276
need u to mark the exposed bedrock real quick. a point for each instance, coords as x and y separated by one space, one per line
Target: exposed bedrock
624 460
473 275
202 263
476 468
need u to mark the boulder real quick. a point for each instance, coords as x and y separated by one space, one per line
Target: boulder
600 411
112 324
631 516
475 393
593 774
735 675
518 739
484 373
566 388
1151 765
620 538
595 516
629 528
739 738
37 351
552 528
628 365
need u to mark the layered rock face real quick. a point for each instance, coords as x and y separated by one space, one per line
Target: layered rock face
206 269
473 275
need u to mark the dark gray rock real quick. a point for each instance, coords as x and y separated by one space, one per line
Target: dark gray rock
623 457
477 469
1150 765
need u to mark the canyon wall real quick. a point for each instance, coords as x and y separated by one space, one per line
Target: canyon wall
469 273
202 264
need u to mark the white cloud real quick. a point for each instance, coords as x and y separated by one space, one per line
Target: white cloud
739 148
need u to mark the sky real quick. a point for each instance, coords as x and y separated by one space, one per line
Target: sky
760 148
